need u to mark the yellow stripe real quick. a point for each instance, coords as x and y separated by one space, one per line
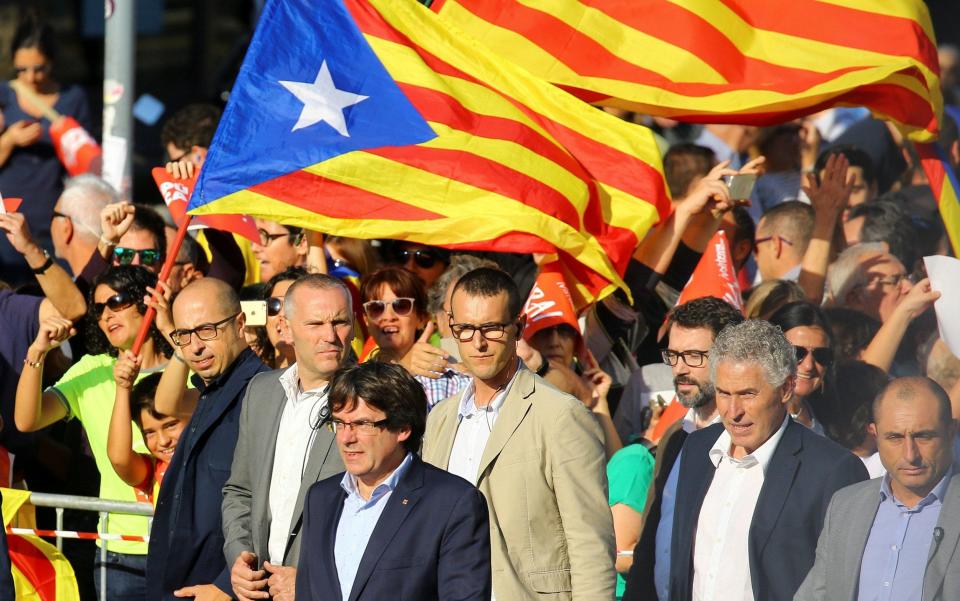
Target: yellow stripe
914 10
950 212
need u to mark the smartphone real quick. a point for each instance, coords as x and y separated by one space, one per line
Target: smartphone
256 312
740 185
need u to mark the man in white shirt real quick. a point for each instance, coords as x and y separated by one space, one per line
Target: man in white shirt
753 490
282 447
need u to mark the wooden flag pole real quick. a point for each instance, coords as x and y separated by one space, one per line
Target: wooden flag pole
164 274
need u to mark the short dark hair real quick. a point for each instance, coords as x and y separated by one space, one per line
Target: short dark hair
792 219
193 125
708 312
31 32
386 387
906 388
147 219
401 282
685 162
132 279
291 273
143 397
802 313
845 404
489 282
885 220
851 331
854 155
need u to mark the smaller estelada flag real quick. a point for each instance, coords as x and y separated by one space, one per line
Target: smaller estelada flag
714 275
176 194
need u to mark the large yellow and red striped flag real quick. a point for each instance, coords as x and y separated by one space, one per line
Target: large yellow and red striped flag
372 119
723 61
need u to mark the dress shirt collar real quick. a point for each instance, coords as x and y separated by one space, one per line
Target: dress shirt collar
469 407
937 494
689 423
761 456
349 483
290 382
247 363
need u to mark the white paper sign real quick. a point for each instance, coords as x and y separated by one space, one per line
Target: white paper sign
944 273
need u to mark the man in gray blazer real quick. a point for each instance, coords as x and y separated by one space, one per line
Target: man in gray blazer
896 537
284 445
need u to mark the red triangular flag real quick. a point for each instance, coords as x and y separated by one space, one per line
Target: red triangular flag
10 205
714 275
76 148
176 194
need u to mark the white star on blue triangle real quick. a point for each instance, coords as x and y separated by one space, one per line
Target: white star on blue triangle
322 101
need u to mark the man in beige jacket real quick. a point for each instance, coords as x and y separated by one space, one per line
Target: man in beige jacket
535 453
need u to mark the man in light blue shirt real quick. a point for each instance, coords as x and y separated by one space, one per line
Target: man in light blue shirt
894 538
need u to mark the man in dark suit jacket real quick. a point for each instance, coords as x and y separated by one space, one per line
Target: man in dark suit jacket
753 491
392 527
185 554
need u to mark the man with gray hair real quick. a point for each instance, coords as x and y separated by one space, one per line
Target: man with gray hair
753 489
866 277
75 226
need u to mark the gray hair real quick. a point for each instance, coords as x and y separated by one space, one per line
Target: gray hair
83 197
845 274
315 281
755 341
460 265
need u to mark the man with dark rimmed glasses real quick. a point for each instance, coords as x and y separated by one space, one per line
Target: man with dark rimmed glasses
186 546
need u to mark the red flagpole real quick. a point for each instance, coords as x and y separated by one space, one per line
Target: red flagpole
164 274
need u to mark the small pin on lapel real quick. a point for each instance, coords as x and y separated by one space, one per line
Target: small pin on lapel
404 501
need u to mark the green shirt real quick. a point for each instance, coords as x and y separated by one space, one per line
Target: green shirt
629 473
88 390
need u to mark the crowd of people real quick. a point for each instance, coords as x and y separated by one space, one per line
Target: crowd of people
320 417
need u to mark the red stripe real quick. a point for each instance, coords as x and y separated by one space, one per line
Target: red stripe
35 566
341 201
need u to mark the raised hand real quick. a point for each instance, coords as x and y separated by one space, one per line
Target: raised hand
53 331
126 368
115 220
17 231
830 194
426 359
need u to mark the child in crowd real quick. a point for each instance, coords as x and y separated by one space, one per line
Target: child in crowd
135 402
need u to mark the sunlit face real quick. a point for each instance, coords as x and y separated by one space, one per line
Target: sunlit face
121 325
140 239
32 68
862 191
885 288
208 358
161 435
809 371
915 445
558 343
321 327
486 359
277 331
693 385
395 334
369 457
751 408
278 252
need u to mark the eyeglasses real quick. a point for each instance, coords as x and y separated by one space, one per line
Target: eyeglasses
822 355
37 69
361 426
490 331
274 305
691 358
893 280
204 331
59 214
401 306
124 256
425 259
757 241
117 302
266 237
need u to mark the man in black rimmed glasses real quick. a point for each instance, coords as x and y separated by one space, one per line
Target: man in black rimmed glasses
186 549
783 234
509 431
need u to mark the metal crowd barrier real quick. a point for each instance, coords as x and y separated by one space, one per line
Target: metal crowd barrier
102 507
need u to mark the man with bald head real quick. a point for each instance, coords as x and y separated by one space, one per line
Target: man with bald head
895 537
282 449
185 557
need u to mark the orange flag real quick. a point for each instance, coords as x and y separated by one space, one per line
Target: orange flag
76 148
714 275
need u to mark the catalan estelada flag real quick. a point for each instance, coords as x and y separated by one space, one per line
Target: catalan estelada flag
723 61
373 119
943 182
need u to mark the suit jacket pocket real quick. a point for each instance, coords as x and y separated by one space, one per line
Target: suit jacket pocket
550 581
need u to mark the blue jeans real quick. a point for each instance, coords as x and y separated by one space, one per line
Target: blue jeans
126 576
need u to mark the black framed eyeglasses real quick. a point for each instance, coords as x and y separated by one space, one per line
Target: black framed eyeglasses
274 305
376 308
425 259
464 332
822 354
124 256
266 237
204 331
361 426
690 358
117 302
61 215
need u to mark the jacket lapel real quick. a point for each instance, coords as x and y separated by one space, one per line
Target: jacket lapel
329 558
445 433
777 481
514 408
319 452
268 452
859 524
399 505
943 551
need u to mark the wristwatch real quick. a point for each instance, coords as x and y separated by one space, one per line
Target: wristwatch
46 264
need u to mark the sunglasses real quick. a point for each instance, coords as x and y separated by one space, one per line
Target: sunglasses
424 259
117 302
822 355
401 306
274 306
124 256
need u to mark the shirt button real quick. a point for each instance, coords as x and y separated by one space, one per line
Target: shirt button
886 584
893 547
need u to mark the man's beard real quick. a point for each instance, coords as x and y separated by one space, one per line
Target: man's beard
705 394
